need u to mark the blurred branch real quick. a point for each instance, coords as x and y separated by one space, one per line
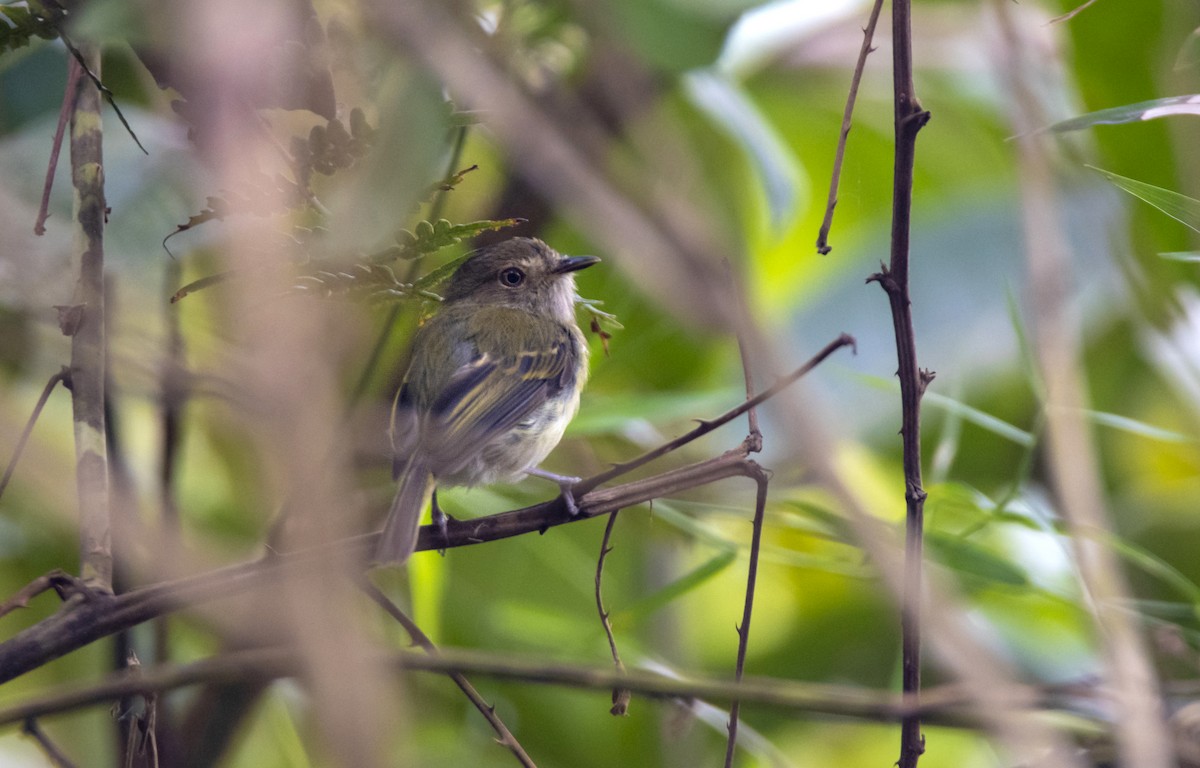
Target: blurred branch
53 753
835 175
63 376
74 75
1142 735
949 705
84 323
506 737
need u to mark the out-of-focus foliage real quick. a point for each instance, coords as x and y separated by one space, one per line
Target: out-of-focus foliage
739 107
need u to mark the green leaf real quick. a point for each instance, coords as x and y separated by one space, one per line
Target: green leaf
1133 113
427 237
1156 566
1190 257
1135 427
691 580
965 412
969 558
1179 207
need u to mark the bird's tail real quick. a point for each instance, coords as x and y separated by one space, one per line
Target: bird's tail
399 540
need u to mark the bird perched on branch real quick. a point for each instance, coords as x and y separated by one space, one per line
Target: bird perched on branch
494 379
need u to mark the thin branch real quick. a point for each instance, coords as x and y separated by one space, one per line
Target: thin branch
620 696
87 342
74 75
64 375
760 506
835 179
82 55
52 751
1071 13
506 737
753 440
707 426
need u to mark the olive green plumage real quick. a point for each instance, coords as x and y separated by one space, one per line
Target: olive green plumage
494 379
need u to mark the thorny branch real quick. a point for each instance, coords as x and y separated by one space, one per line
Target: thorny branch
909 119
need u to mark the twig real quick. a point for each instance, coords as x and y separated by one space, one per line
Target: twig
909 119
87 342
760 505
60 581
74 74
707 426
1071 13
835 179
63 375
620 696
753 442
421 639
52 751
79 53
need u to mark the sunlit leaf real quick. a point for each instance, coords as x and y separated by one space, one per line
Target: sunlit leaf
1191 257
1133 113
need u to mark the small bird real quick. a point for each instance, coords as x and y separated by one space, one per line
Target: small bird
494 379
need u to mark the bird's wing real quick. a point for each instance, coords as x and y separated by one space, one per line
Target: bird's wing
495 392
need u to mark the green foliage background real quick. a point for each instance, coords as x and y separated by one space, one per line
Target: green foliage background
675 581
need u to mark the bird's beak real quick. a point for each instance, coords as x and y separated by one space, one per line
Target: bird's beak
574 263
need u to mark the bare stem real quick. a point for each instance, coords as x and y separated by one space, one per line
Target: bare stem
506 737
835 178
620 696
63 375
760 505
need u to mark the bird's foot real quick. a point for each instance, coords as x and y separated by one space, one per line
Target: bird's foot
566 488
441 521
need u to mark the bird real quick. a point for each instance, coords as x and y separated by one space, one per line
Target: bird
494 378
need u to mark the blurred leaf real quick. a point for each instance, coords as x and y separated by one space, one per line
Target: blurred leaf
1190 257
1135 427
727 105
972 559
681 586
962 410
1179 207
1159 568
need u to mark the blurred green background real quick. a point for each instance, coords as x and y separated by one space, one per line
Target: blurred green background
752 97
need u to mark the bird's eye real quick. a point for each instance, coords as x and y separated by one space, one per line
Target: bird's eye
511 277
